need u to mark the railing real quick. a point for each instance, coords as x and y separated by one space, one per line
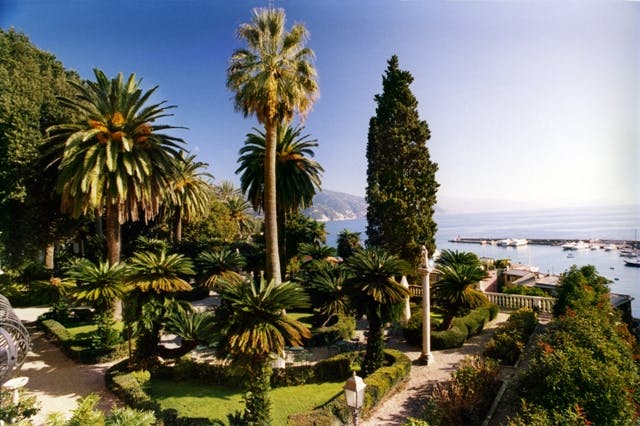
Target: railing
508 301
517 301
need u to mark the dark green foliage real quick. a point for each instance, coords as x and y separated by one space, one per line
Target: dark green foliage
11 413
524 290
379 384
583 367
105 336
348 243
508 341
342 329
580 288
401 184
466 399
460 330
30 81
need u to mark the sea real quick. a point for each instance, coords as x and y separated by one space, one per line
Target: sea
585 223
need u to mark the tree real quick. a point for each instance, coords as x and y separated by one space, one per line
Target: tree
327 290
272 78
375 292
297 176
30 81
98 284
238 209
348 243
220 265
252 327
155 277
401 185
191 192
456 289
114 158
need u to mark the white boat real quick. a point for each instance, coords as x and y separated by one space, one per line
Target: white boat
634 261
629 253
504 243
571 245
518 242
610 247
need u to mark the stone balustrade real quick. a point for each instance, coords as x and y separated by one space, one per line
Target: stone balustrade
508 301
517 301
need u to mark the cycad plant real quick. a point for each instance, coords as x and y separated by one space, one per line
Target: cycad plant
98 284
220 265
252 326
375 292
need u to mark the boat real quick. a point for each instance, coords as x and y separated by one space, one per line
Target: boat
580 245
634 261
610 247
504 243
516 242
571 245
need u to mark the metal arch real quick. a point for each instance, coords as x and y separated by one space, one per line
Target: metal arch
14 341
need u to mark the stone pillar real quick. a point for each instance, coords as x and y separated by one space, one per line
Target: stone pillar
427 356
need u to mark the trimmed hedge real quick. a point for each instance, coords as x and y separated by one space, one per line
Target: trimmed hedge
379 384
82 354
461 328
129 386
342 329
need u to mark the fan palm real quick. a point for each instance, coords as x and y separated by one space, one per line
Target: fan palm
375 292
191 192
272 78
114 158
456 288
220 265
238 209
252 325
327 290
99 284
226 190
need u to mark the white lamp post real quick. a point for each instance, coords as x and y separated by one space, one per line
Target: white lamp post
426 270
354 393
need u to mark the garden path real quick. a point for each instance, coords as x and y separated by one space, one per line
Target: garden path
407 402
56 381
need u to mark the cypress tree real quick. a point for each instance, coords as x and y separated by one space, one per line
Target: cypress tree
401 184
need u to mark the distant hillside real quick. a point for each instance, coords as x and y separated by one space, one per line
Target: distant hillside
330 205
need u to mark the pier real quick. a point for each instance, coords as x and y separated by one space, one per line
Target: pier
544 241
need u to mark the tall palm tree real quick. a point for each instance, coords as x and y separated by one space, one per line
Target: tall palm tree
273 78
252 326
191 192
99 284
375 292
226 190
297 175
114 158
456 288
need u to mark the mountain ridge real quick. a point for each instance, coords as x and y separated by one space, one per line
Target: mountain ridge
334 205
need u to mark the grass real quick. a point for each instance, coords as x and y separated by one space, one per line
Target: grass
84 330
215 402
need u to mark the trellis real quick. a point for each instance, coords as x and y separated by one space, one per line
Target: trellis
14 341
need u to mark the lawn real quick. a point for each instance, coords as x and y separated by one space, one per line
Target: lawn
84 330
215 402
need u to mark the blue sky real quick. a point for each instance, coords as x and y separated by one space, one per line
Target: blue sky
530 103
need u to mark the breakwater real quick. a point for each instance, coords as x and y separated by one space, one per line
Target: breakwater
544 241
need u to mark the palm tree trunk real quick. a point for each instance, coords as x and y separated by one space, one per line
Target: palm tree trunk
374 356
270 206
179 226
113 247
48 256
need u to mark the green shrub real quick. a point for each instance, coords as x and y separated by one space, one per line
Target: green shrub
508 342
415 422
494 310
466 399
461 328
57 330
342 329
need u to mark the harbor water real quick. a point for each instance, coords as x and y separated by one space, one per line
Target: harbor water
619 223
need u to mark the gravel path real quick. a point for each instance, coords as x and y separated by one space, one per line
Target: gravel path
407 401
56 381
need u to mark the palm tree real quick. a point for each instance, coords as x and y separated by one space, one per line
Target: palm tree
327 290
220 265
226 190
99 284
155 276
316 251
375 292
348 243
238 209
455 290
191 192
297 175
114 158
273 78
191 326
252 326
